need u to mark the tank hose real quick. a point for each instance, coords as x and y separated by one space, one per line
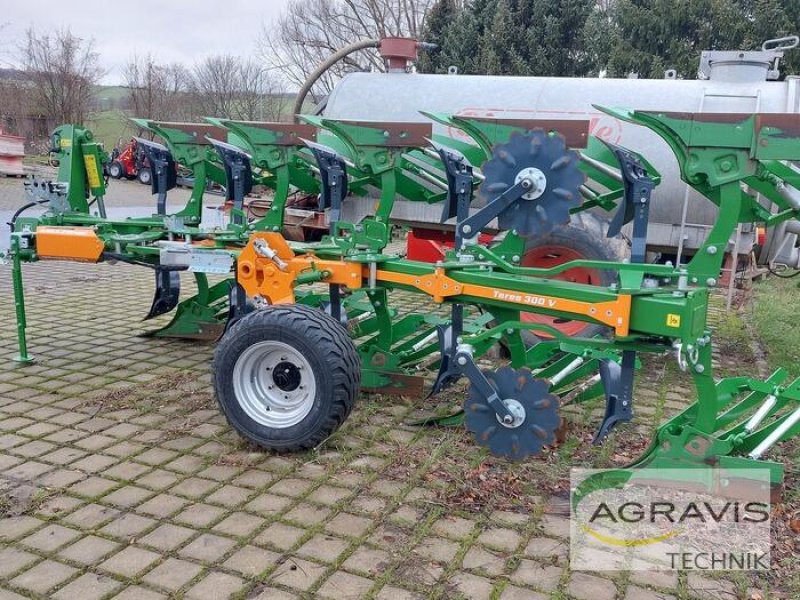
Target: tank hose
324 66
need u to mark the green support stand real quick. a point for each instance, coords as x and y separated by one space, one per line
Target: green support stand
19 302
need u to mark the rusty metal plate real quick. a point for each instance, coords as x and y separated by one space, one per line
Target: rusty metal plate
397 384
399 135
574 131
788 123
198 131
287 134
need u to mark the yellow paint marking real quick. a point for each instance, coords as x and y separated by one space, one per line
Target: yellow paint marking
91 170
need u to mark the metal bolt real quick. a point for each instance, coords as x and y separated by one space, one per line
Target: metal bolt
466 229
711 250
515 258
711 282
462 360
699 368
508 419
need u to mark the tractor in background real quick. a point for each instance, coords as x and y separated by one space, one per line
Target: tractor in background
130 162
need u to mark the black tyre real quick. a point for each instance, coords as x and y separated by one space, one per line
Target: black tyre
144 176
115 170
286 377
584 237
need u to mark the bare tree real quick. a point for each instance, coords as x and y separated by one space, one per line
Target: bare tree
231 86
62 68
17 115
309 31
157 91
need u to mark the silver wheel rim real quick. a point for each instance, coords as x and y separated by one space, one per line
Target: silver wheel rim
274 384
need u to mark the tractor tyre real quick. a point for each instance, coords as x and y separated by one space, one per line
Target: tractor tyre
286 376
144 176
116 170
583 238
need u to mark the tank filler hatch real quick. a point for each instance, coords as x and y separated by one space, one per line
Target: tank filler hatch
739 66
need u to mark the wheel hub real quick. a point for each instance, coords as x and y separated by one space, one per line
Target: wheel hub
517 416
537 181
286 376
274 384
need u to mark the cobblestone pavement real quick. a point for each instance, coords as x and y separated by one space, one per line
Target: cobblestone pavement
122 480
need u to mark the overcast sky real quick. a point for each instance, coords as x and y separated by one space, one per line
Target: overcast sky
172 30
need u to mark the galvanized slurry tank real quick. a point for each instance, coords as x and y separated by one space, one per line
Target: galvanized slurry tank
735 82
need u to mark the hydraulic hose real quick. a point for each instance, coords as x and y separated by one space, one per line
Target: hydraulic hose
21 210
324 66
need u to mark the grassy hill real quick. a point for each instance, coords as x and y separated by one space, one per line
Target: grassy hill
109 121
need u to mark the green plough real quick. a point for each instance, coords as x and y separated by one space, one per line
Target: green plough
306 324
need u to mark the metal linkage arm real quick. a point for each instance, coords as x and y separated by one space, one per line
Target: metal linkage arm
471 226
635 205
617 378
459 186
238 173
457 361
333 173
165 175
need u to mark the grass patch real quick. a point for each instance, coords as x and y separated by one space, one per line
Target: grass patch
109 126
772 319
178 394
19 498
5 504
731 334
773 316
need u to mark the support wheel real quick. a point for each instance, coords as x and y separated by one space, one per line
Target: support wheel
534 411
286 377
144 176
